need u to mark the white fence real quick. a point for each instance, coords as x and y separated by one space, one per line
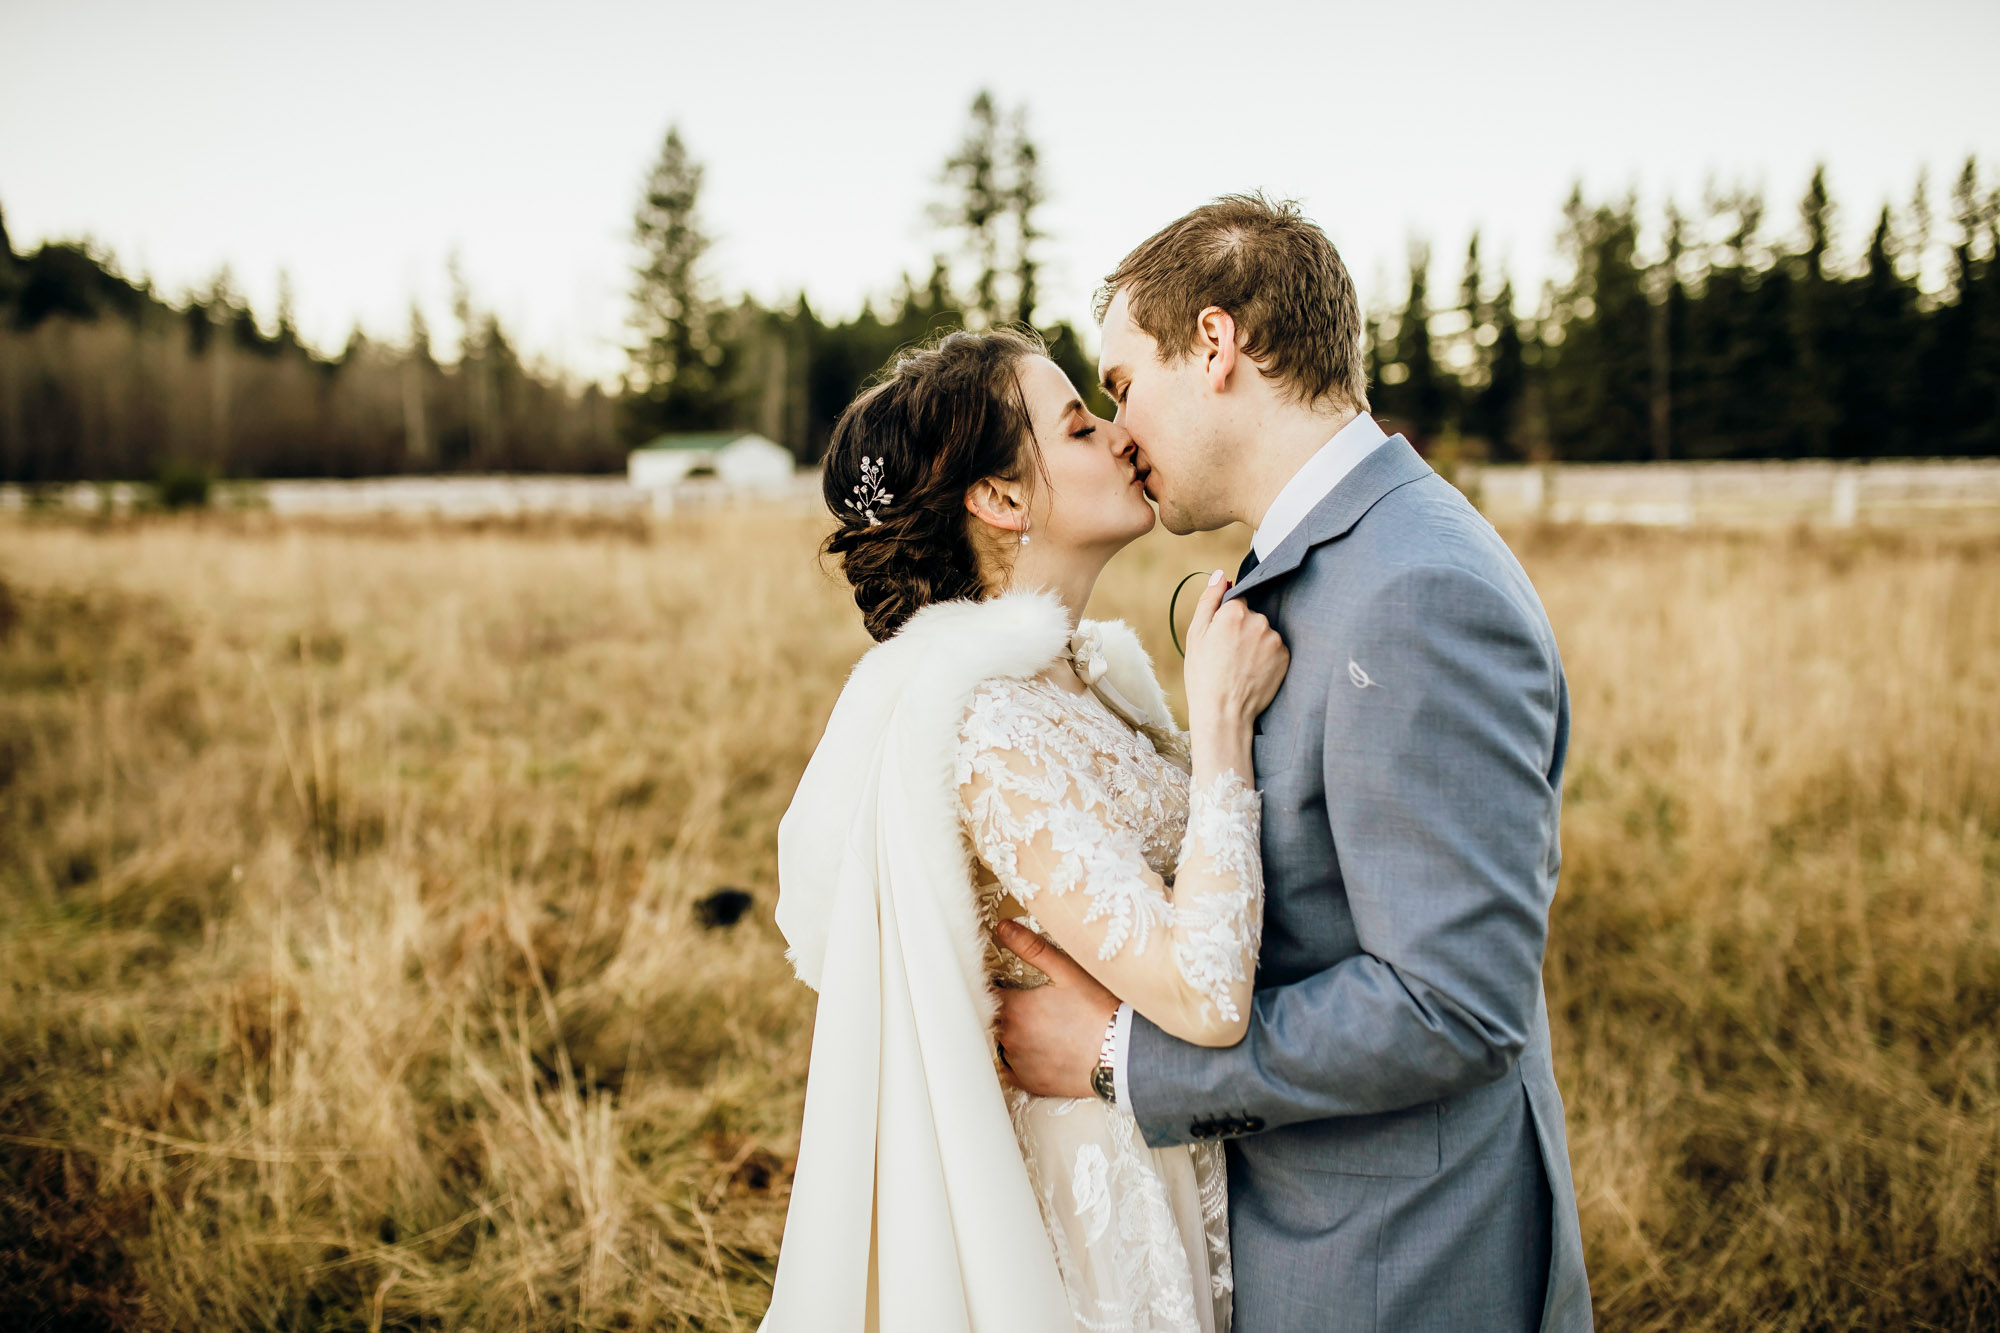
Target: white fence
1671 494
1872 493
471 497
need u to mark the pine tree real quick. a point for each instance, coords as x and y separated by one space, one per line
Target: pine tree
1025 194
994 188
1812 389
1503 402
9 266
418 371
1423 389
1960 386
674 376
1875 359
978 204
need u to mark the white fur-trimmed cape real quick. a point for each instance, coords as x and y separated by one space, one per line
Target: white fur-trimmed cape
905 1122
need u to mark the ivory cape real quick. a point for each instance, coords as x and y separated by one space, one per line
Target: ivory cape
911 1208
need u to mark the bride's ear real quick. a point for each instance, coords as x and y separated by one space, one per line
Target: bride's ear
997 504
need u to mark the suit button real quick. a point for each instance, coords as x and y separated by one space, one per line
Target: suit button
1253 1124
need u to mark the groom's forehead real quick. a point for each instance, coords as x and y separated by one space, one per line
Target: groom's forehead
1116 341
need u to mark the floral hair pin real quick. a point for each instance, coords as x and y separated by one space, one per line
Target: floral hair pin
869 494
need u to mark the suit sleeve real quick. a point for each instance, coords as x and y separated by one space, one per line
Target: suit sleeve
1440 737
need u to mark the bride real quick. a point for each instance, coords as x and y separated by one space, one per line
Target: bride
996 757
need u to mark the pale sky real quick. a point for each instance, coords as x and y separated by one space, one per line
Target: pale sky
357 145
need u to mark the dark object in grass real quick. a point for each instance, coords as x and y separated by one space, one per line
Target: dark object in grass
183 486
724 907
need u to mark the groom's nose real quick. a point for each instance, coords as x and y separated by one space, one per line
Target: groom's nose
1119 439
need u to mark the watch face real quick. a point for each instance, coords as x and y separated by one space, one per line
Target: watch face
1102 1083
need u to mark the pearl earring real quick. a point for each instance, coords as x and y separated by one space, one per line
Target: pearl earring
1024 530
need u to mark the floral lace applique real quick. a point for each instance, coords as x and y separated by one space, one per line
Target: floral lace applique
1065 778
1059 796
1221 929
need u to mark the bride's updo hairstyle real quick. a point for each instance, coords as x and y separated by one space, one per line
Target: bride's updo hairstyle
939 418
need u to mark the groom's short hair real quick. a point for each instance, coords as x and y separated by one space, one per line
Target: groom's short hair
1277 275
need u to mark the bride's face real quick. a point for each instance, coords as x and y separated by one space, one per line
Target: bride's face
1089 494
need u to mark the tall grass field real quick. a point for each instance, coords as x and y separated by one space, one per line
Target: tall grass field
360 967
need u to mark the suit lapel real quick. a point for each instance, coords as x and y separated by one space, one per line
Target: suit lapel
1393 463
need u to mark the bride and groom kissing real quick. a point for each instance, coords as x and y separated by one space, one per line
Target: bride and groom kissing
1126 1027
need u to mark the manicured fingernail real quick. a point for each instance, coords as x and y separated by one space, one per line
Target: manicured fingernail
1215 578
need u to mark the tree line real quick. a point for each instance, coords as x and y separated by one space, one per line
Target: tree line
1711 334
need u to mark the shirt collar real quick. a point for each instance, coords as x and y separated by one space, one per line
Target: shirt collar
1315 480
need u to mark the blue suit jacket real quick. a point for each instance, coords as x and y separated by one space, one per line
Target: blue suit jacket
1397 1152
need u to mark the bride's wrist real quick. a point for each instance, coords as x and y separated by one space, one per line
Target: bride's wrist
1223 722
1216 748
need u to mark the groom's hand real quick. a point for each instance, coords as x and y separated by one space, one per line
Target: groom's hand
1051 1034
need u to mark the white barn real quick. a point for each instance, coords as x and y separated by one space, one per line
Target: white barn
734 458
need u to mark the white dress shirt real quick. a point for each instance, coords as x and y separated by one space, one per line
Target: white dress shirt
1313 482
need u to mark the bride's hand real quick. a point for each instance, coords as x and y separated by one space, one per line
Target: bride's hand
1235 662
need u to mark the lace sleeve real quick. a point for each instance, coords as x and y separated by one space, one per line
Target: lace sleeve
1041 820
1220 917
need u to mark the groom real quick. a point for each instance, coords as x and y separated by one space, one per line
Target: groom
1397 1154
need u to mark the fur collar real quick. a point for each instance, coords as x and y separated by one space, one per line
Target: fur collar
1020 633
901 709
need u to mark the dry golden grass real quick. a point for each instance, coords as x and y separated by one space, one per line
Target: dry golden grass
352 978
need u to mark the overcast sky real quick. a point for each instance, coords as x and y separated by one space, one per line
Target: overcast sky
356 145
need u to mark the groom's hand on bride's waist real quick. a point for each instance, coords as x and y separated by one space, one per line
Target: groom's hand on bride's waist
1051 1035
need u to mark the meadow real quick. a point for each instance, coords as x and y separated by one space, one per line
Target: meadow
353 972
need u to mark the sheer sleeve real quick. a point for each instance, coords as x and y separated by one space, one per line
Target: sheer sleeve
1036 807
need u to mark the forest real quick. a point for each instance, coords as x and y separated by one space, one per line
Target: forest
1726 330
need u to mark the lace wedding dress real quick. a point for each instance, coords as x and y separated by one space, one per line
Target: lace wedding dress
1078 817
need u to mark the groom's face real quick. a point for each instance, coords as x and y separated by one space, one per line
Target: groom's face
1174 421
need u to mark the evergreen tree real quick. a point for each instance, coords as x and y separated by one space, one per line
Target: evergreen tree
978 204
1599 376
1024 195
9 278
1502 402
1420 398
1959 391
418 371
1812 389
994 188
675 364
1874 361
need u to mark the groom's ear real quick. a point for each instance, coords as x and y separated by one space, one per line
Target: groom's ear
1215 344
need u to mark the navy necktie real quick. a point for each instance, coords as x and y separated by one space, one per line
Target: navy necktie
1249 563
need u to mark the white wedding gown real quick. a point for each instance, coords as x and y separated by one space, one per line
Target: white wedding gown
1060 796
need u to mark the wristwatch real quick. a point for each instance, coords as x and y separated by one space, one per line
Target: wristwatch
1103 1079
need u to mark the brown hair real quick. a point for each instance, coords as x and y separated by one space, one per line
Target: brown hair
1277 275
939 418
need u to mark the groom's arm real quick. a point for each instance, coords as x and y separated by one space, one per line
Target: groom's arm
1440 730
